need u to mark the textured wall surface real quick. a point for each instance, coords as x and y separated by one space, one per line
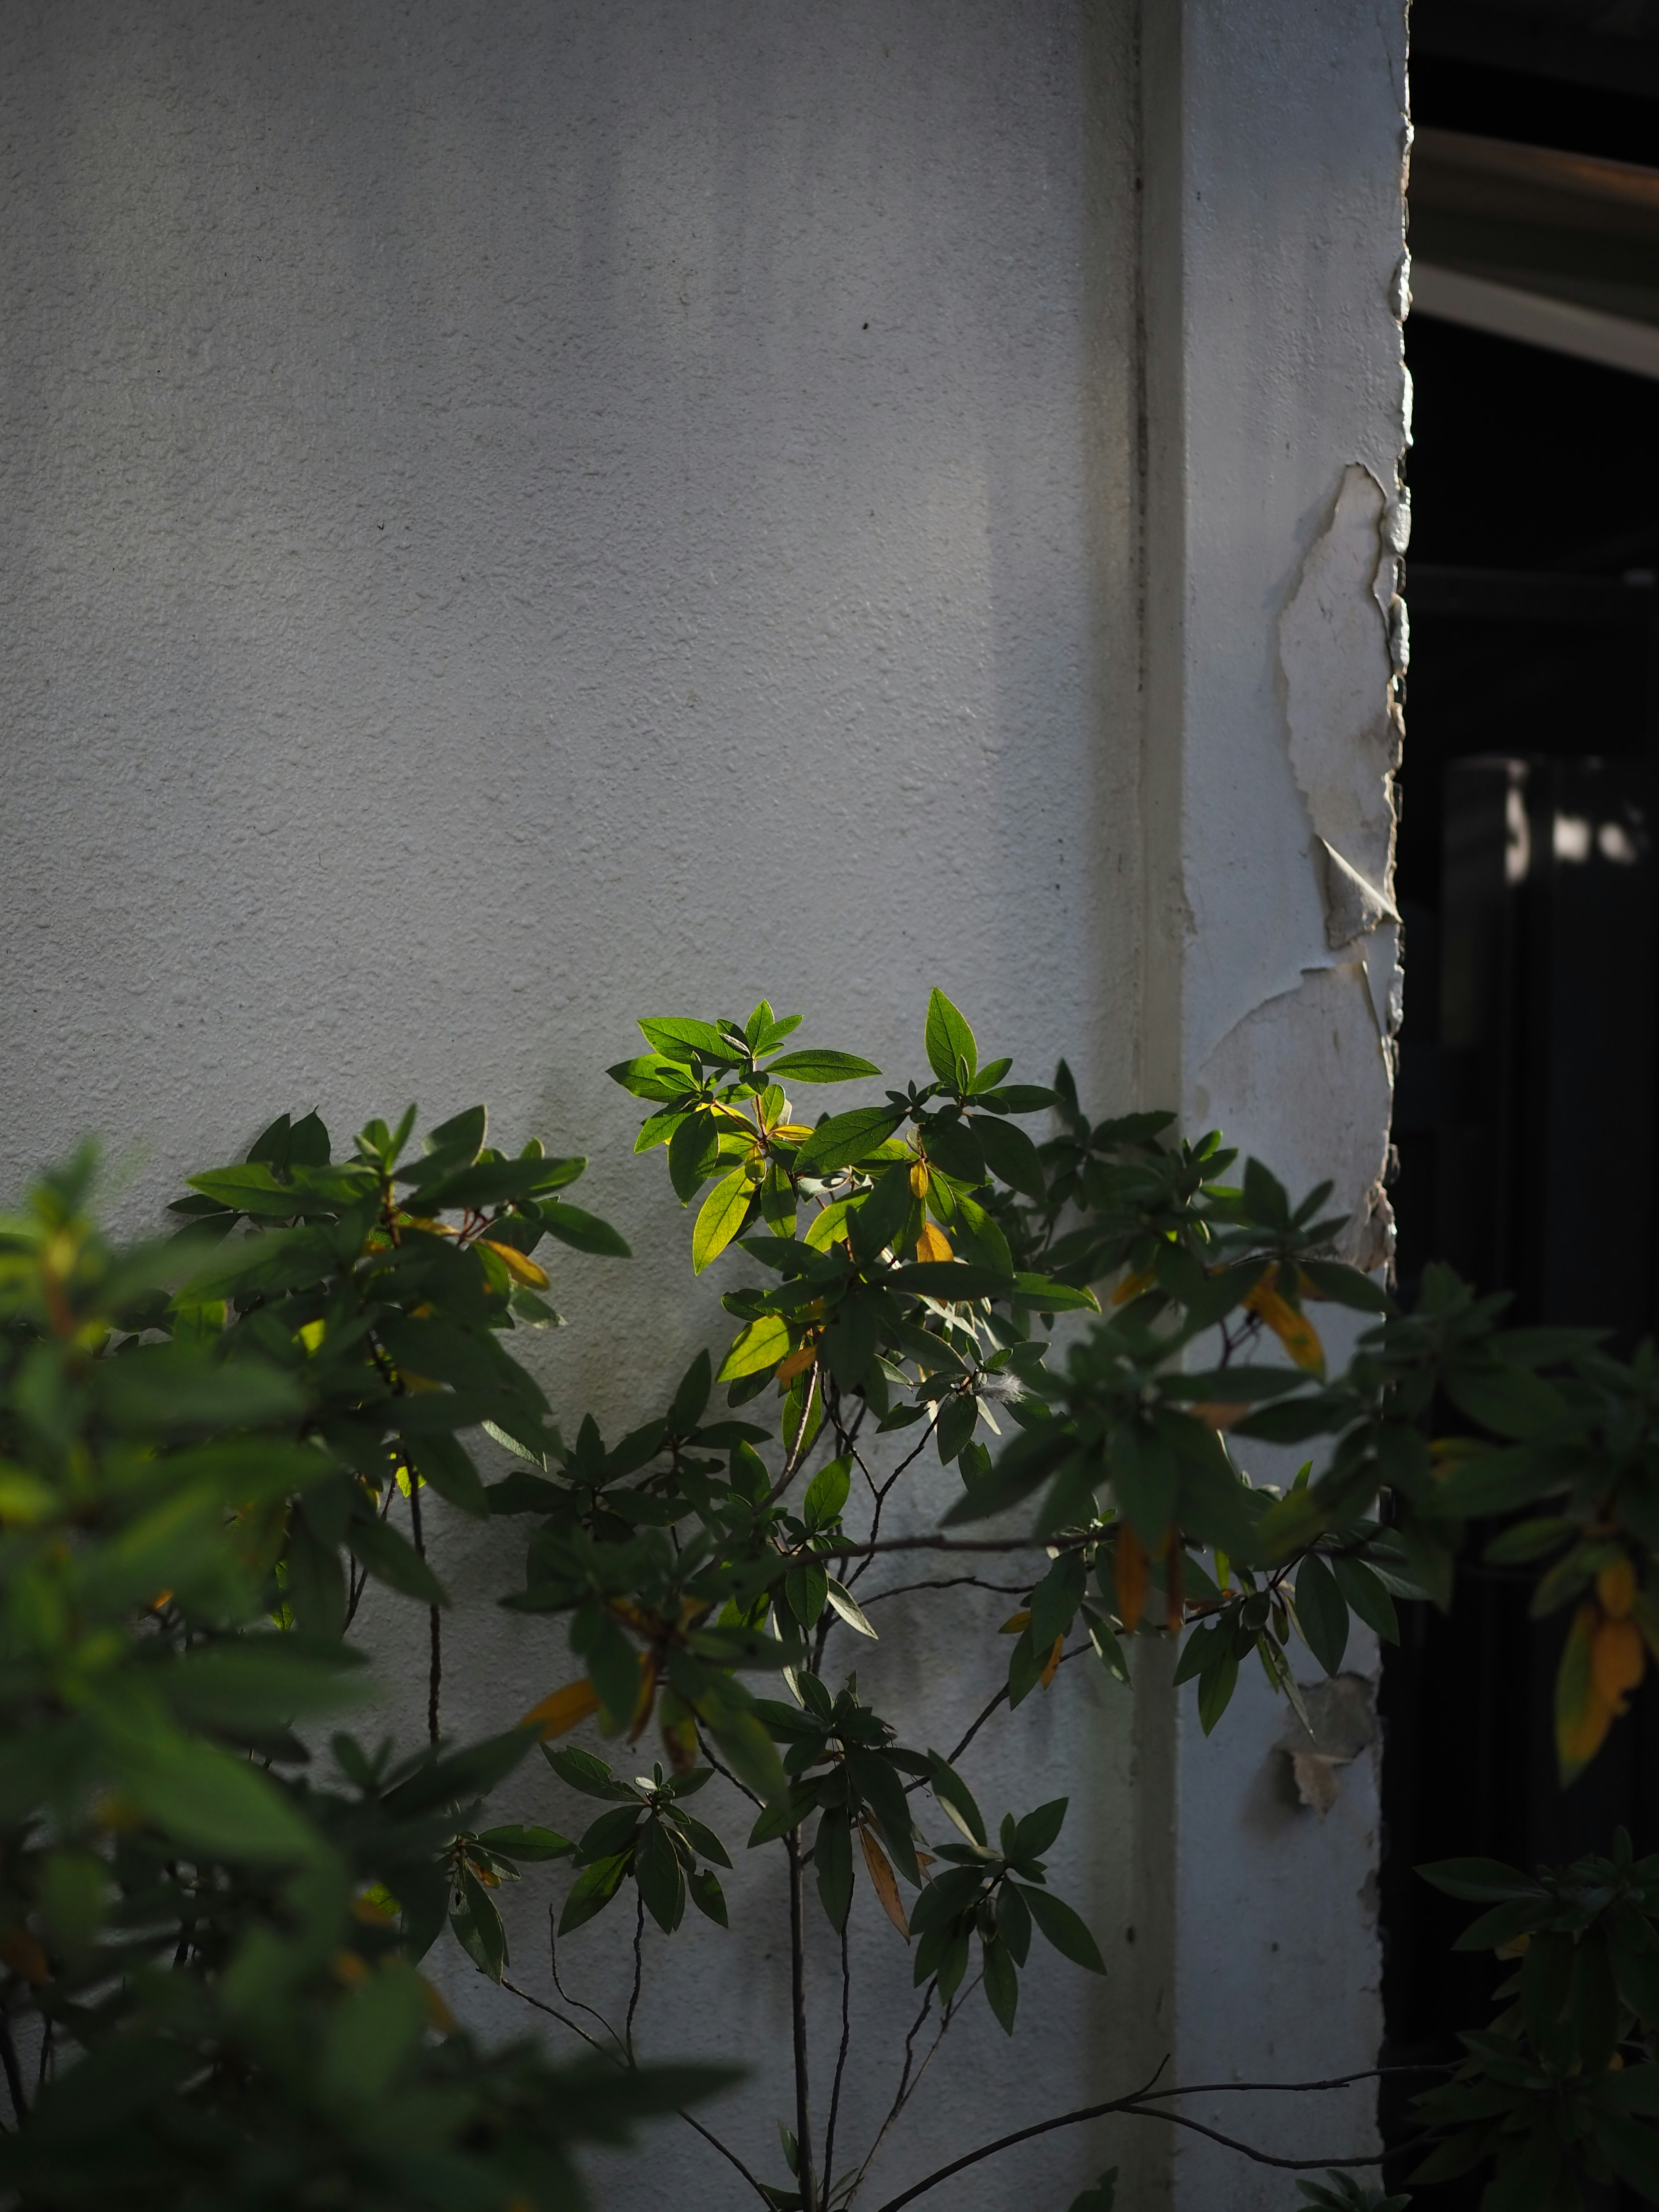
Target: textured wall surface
1276 140
517 515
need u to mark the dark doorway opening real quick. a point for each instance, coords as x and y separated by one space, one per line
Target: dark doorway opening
1527 1119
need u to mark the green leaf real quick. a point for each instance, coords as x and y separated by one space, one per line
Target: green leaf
592 1890
693 1151
841 1598
949 1280
527 1843
1102 2198
1322 1612
1065 1930
846 1137
585 1232
207 1799
392 1559
952 1053
1035 1834
1367 1595
821 1068
702 1840
954 1795
832 1856
722 1215
756 1349
1001 1982
675 1032
1216 1685
582 1770
708 1895
478 1928
1482 1881
1010 1156
660 1876
826 1494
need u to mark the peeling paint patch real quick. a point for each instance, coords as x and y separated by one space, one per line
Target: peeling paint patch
1333 1118
1343 1714
1341 639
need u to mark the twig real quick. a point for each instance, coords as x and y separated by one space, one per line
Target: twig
20 2103
639 1976
948 1582
809 2194
1338 2082
434 1633
754 1796
576 2028
841 2057
553 1964
908 2087
975 1726
1138 2105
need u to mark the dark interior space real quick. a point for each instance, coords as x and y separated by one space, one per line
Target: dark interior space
1528 887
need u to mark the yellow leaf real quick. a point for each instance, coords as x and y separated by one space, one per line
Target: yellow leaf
1517 1947
792 1132
1582 1715
1051 1665
1618 1661
312 1335
24 1952
1293 1329
919 1179
1129 1575
1218 1414
723 1213
933 1244
648 1698
1616 1588
1014 1623
24 1497
521 1269
798 1361
1131 1287
882 1880
565 1709
350 1967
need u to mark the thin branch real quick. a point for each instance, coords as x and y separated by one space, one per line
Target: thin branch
841 2057
1247 2150
435 1632
936 1543
576 2028
20 2103
1338 2082
754 1797
553 1964
1138 2105
553 2012
639 1976
975 1725
731 2156
908 2086
948 1582
809 2194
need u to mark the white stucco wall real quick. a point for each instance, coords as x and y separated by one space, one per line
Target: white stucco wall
1277 402
518 516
